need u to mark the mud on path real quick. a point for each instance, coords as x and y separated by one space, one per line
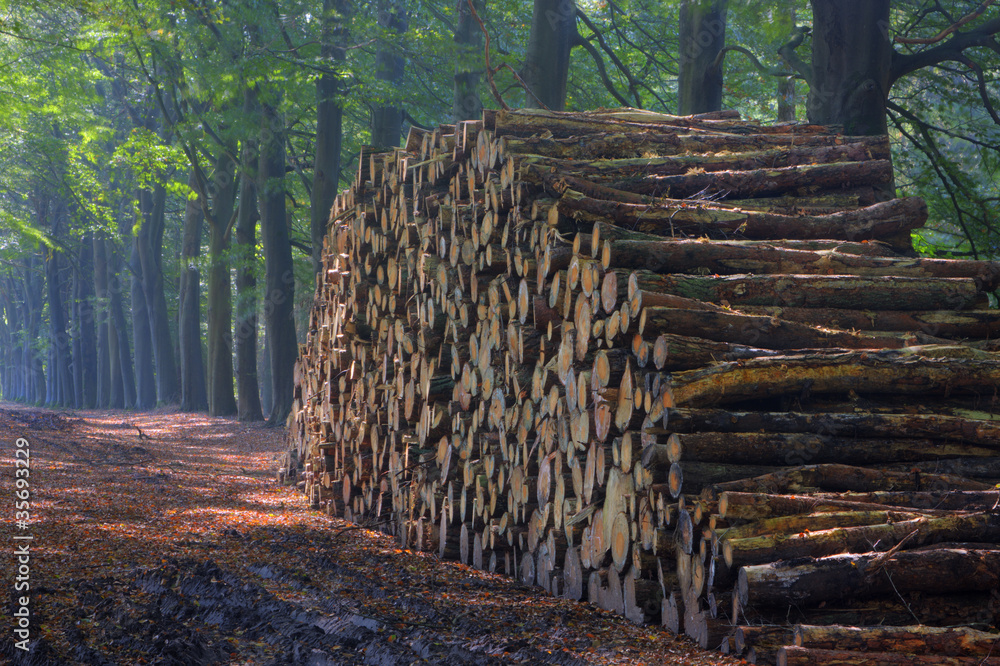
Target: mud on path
161 538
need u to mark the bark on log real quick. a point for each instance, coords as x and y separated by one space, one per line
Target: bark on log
841 291
813 581
887 371
669 217
915 639
797 656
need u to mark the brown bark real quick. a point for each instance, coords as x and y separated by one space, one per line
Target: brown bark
889 371
795 656
915 639
667 217
870 574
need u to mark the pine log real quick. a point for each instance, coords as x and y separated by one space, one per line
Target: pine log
760 182
915 639
634 145
811 581
889 371
844 478
762 507
669 217
770 332
696 256
841 291
798 656
822 542
626 169
947 323
764 448
860 424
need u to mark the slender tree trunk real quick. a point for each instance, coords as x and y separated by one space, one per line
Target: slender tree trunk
103 398
546 65
35 368
851 60
85 354
247 388
387 119
702 37
221 399
142 337
329 126
124 372
194 394
150 254
266 383
279 279
467 104
59 372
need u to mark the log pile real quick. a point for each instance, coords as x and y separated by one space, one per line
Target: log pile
686 368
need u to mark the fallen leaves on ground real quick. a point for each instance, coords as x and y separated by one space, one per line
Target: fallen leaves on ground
162 538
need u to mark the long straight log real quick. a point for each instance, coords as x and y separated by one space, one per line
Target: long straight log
869 574
856 424
798 656
605 170
858 539
634 145
915 639
879 221
947 323
735 505
685 256
760 182
774 448
886 371
771 332
872 292
832 477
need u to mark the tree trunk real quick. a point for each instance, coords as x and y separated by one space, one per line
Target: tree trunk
151 254
33 304
142 337
387 119
247 387
102 317
279 277
329 125
122 370
546 64
194 397
702 36
85 353
221 399
851 58
466 104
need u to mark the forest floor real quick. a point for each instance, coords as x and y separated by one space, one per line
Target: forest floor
162 538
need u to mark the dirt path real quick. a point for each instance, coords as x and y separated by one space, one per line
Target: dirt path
161 538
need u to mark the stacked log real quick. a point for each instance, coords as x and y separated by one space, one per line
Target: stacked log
685 368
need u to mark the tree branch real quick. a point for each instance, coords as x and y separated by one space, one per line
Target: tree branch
903 64
763 69
608 83
983 92
632 83
787 51
947 31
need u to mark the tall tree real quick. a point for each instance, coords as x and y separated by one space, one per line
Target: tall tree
279 277
702 37
387 113
194 394
466 102
329 124
546 64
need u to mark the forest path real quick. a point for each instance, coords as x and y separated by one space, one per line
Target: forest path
162 538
